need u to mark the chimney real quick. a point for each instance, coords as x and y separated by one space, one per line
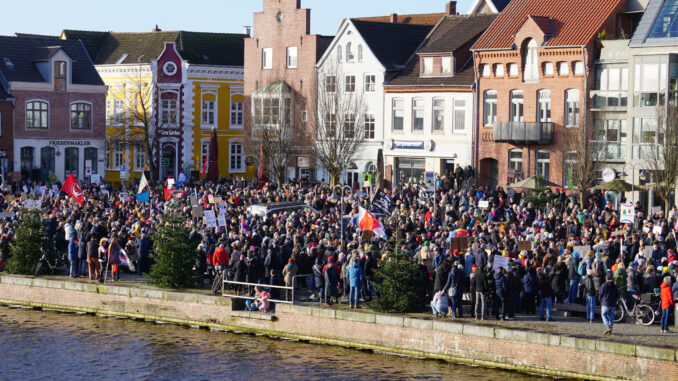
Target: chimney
248 30
451 8
157 29
394 18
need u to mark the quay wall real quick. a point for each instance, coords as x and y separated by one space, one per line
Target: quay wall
512 349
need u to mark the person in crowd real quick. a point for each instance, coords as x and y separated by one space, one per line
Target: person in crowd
289 272
590 292
439 304
73 257
608 295
667 302
356 279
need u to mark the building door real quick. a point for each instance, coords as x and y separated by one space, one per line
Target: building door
27 161
71 161
168 162
410 170
489 172
47 161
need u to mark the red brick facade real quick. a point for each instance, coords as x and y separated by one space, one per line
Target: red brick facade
6 134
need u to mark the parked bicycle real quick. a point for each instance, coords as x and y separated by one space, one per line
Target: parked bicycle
46 266
642 313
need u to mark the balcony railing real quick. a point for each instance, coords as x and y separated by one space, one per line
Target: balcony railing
523 132
606 99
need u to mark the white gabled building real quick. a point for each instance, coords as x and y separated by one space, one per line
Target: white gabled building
364 55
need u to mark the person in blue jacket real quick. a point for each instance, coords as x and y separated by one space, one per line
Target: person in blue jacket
73 257
356 279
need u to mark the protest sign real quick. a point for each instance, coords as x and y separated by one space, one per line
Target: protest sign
484 204
524 245
499 262
657 230
627 214
210 219
222 219
582 250
197 212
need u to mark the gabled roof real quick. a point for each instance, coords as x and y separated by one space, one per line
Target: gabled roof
452 34
495 5
651 30
575 22
392 44
108 48
417 19
18 59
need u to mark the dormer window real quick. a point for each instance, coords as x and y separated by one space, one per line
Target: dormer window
446 65
59 76
530 61
428 65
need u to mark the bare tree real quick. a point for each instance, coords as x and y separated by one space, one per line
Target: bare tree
137 118
584 159
338 122
662 158
276 125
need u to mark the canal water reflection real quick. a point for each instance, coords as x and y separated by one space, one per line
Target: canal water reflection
38 345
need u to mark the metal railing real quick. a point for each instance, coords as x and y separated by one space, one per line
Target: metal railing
263 286
523 132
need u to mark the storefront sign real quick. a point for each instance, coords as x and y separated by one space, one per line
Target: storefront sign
408 144
70 143
169 132
303 162
3 153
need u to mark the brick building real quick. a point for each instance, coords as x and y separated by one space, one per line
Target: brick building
533 76
282 49
59 104
6 130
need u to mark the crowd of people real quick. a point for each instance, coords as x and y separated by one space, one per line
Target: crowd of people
505 251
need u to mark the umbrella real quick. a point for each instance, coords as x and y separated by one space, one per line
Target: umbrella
461 233
213 170
615 185
534 182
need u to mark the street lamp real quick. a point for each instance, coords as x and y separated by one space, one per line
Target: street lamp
643 176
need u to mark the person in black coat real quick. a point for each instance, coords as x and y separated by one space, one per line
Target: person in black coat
500 286
240 269
440 275
560 274
481 293
544 282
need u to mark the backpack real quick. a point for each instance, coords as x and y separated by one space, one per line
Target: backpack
582 269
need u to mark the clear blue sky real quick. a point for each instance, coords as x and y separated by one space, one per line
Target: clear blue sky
50 16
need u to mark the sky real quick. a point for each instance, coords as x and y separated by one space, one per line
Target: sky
49 17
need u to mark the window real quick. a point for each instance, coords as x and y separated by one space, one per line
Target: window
665 24
459 114
37 114
543 158
350 83
330 83
548 68
349 53
515 165
92 158
544 106
645 135
349 126
292 57
530 61
650 81
331 124
237 159
118 155
446 65
208 113
490 108
579 68
428 65
369 126
370 83
569 162
609 139
27 159
517 106
139 157
611 87
81 116
485 70
398 114
563 68
267 111
109 110
204 156
71 161
498 70
572 108
513 70
118 111
417 114
236 114
168 109
360 53
267 58
339 55
438 114
59 76
47 159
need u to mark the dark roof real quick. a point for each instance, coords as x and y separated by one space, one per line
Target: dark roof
500 4
3 94
392 44
642 36
24 52
573 22
324 42
453 33
107 48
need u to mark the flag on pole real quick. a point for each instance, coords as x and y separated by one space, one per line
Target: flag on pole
367 221
204 167
143 183
143 197
382 203
72 188
182 179
244 228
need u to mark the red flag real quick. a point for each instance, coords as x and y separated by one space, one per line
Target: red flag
72 187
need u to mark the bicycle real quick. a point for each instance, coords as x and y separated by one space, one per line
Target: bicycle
642 313
44 264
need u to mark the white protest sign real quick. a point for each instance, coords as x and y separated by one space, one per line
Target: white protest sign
582 250
96 179
222 219
627 214
499 262
657 230
210 219
170 183
124 196
484 204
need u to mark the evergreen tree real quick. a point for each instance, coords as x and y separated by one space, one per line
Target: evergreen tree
399 283
25 251
174 255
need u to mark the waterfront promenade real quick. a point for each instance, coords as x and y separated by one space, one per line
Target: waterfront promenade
563 348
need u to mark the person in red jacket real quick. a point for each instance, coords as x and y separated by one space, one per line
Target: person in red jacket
667 302
220 258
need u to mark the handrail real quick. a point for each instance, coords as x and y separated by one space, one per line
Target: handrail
292 288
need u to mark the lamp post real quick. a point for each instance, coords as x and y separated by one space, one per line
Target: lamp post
642 177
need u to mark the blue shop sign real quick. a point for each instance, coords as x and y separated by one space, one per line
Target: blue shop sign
408 144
